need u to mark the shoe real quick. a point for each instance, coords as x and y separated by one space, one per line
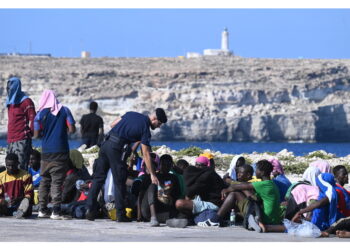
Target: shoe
178 223
44 213
123 219
22 209
154 222
208 223
90 215
253 224
58 216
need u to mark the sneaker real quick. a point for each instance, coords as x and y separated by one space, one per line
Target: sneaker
178 223
44 214
253 224
208 223
58 216
22 209
154 222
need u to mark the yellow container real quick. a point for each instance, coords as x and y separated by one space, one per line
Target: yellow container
112 214
36 197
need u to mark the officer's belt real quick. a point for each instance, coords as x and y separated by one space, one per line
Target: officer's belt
119 141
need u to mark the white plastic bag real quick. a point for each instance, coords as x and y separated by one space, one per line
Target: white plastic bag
305 229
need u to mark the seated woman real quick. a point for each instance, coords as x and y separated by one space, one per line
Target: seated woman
324 210
157 203
230 175
280 179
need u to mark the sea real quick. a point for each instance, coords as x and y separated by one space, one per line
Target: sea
299 149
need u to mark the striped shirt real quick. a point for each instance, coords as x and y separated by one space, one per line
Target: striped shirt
16 186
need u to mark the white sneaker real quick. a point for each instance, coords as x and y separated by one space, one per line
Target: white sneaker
43 215
59 217
208 223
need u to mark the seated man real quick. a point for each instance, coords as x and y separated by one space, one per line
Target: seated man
16 189
266 190
341 178
203 189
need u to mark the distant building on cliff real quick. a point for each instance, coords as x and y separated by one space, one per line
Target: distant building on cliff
224 51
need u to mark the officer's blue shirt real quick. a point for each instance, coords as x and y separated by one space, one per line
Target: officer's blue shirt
133 127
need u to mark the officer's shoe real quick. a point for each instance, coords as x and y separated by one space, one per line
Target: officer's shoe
90 215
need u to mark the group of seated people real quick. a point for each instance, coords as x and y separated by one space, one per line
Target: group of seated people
260 195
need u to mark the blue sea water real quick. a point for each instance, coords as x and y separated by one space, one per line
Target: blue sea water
299 149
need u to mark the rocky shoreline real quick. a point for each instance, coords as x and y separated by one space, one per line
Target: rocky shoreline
207 99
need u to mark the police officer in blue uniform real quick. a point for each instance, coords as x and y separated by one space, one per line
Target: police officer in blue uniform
130 128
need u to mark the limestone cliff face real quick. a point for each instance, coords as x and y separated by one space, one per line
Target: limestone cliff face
209 98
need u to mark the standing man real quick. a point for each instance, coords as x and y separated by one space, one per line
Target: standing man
91 126
21 113
130 128
52 120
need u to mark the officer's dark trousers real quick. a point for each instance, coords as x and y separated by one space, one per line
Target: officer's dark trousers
109 158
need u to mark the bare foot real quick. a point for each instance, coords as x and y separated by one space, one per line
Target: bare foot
343 234
262 226
324 234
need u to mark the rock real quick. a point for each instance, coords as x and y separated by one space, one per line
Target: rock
207 99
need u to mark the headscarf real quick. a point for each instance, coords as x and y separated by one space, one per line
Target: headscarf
322 165
277 166
203 160
77 158
232 171
325 216
48 100
208 155
311 174
304 193
15 94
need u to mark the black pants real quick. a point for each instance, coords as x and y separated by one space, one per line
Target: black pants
90 141
109 158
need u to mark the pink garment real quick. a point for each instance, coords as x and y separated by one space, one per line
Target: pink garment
154 158
277 166
203 160
322 165
48 100
304 193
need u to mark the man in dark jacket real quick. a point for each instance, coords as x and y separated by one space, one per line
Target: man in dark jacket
203 188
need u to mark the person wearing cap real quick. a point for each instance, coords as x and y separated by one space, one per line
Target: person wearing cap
132 127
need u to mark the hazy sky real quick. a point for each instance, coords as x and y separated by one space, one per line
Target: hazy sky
268 33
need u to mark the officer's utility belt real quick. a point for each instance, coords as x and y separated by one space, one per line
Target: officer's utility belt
122 144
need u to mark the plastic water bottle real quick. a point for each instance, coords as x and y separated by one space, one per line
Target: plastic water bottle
232 218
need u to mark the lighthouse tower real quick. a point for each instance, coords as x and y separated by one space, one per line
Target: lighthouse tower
224 40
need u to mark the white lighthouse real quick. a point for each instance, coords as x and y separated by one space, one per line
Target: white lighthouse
224 40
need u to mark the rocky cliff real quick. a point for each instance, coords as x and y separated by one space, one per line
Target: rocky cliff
208 98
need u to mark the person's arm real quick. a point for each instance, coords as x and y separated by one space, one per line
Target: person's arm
28 187
236 187
147 158
36 126
70 122
30 113
100 129
115 122
320 203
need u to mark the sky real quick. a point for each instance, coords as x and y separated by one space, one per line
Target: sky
172 32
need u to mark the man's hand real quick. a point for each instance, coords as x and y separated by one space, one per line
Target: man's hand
224 193
154 179
297 217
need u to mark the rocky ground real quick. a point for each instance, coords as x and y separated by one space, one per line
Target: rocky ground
208 98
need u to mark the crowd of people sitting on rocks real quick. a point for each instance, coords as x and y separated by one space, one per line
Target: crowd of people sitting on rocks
127 184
